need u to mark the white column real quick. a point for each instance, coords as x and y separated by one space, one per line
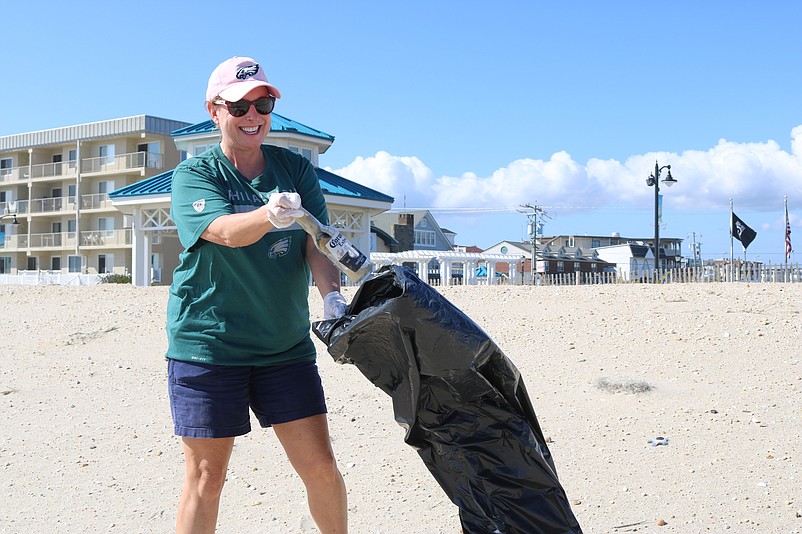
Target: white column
445 273
470 273
491 272
423 270
512 271
140 252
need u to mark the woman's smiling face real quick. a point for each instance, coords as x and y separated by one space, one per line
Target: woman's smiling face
241 134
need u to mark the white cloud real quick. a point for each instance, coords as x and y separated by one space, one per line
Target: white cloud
754 174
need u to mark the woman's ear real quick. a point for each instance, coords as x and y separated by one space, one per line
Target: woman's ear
212 109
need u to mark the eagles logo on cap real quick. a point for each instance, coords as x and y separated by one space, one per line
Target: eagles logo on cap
246 72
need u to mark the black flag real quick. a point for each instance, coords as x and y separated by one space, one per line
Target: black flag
740 231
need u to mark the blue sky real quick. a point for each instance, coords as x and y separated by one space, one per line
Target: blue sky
468 108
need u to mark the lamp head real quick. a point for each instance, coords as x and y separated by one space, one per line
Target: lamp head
669 180
15 221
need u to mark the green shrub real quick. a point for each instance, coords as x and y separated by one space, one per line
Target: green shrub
112 278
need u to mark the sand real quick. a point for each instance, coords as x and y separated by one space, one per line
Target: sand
87 443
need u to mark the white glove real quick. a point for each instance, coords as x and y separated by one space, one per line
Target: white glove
283 209
334 305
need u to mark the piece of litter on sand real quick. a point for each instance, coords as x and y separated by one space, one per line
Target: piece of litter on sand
659 440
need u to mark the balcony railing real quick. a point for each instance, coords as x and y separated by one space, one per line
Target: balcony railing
122 162
106 238
18 206
51 205
61 240
96 201
53 170
13 174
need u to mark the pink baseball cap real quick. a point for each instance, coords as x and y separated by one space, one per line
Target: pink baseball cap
235 77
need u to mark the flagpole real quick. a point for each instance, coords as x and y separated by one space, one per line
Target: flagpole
731 256
786 233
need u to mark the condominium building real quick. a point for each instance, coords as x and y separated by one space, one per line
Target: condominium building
54 192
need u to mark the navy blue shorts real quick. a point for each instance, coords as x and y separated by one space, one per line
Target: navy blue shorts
212 401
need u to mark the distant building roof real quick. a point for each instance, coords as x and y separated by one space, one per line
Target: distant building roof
91 130
279 124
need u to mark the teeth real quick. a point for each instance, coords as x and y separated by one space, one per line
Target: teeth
252 130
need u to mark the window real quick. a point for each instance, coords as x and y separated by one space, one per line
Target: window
5 166
305 152
71 227
57 164
105 226
105 187
424 223
5 264
197 150
74 264
577 267
504 249
424 238
56 193
152 155
33 263
72 157
71 190
106 151
560 266
55 263
595 243
104 264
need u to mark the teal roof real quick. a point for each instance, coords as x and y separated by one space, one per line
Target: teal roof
278 124
330 183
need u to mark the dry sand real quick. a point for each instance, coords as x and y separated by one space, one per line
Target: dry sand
87 442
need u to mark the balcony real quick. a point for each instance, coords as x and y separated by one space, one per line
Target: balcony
19 207
98 201
106 238
43 172
14 174
122 163
66 240
49 205
55 205
135 161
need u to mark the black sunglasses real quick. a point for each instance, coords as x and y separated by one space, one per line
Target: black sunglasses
263 105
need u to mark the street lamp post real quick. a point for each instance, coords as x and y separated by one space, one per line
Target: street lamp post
654 180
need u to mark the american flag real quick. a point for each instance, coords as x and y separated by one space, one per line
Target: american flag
788 247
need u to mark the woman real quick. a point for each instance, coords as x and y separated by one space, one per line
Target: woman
237 316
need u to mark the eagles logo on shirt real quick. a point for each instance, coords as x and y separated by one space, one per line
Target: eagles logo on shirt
199 205
279 248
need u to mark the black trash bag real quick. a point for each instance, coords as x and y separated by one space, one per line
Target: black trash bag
462 403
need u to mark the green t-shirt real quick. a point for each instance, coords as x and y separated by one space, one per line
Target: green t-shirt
247 305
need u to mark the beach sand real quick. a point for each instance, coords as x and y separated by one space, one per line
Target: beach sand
87 442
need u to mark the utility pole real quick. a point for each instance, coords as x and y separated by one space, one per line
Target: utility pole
531 213
697 252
